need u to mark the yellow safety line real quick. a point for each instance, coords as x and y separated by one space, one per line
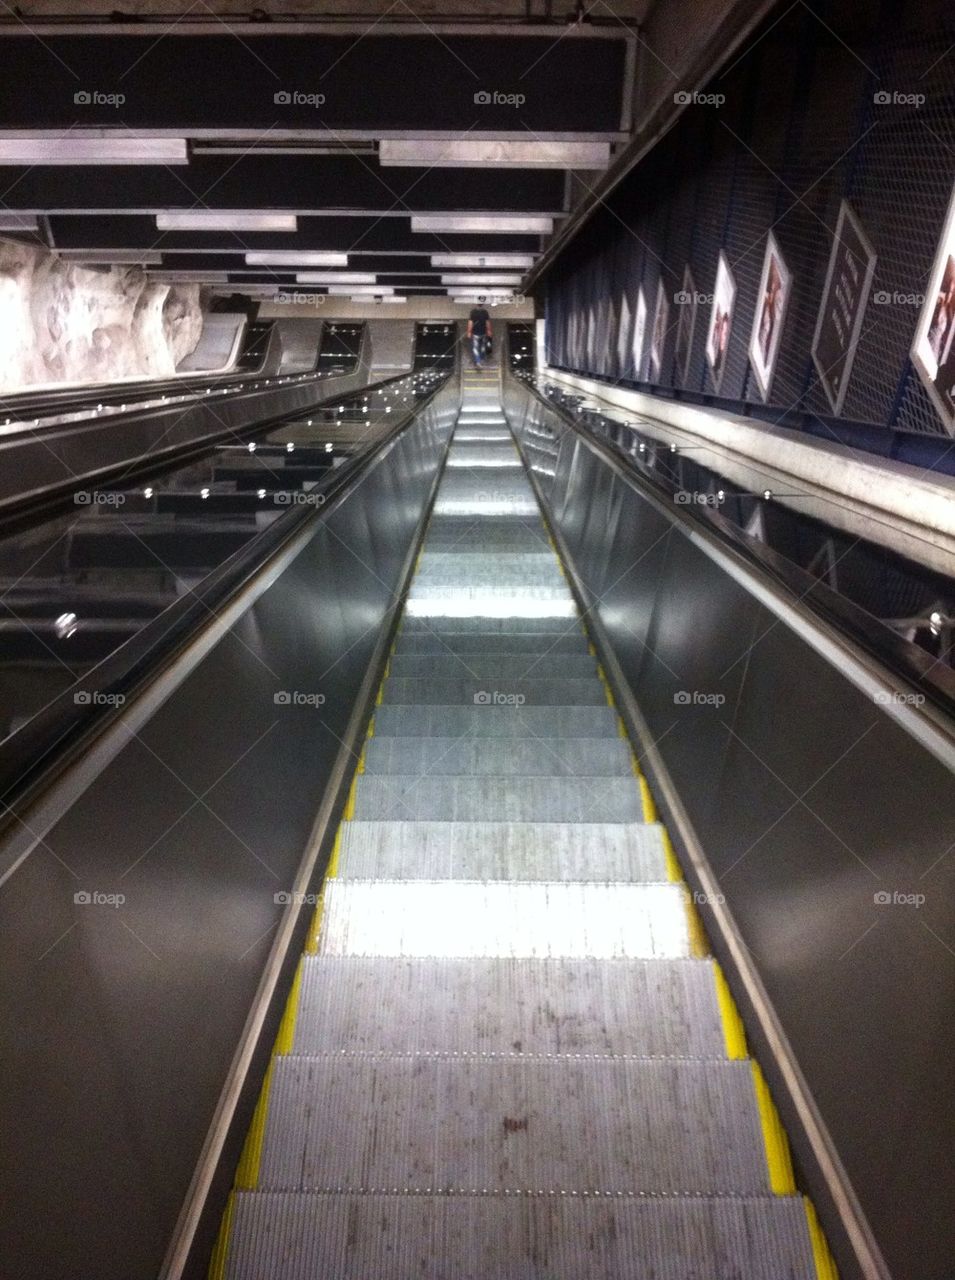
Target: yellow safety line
733 1032
699 943
247 1173
781 1178
221 1251
286 1033
825 1264
674 871
646 799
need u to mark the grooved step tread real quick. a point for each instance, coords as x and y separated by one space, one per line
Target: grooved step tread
495 721
598 852
302 1236
512 693
361 1004
490 643
512 757
512 918
637 1125
529 799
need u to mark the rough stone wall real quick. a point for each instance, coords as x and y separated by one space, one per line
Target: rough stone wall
60 322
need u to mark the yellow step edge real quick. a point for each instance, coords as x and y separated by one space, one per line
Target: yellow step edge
823 1259
734 1033
674 870
699 943
349 812
315 928
778 1159
360 767
247 1173
220 1253
286 1032
646 799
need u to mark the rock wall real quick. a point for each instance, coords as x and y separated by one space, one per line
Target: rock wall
60 322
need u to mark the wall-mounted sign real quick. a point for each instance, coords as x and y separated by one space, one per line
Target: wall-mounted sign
844 298
623 337
721 320
639 332
686 300
775 286
933 351
658 336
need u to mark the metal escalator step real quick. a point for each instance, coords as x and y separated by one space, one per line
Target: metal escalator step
503 666
488 564
495 722
404 797
301 1236
461 531
470 626
503 492
482 453
516 595
651 1125
599 852
363 1004
508 757
504 918
513 694
543 643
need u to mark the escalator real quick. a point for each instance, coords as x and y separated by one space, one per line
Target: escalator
508 1051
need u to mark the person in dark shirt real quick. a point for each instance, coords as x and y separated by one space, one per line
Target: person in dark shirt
479 330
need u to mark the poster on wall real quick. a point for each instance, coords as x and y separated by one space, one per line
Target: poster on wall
775 286
658 337
933 351
639 332
844 298
721 320
686 300
623 338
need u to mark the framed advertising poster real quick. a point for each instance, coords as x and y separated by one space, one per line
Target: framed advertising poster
686 300
721 320
639 331
623 337
844 299
658 335
775 286
933 351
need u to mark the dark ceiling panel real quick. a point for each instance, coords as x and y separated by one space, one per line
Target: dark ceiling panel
283 182
368 234
564 81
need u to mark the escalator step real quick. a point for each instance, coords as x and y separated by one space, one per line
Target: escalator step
514 694
511 757
487 643
460 799
300 1236
495 722
465 626
653 1125
361 1004
504 666
506 918
602 852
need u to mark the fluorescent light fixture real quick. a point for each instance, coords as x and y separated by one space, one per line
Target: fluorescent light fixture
336 277
508 261
473 153
515 224
75 149
384 298
483 293
296 258
102 257
360 290
19 222
190 277
477 282
213 220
